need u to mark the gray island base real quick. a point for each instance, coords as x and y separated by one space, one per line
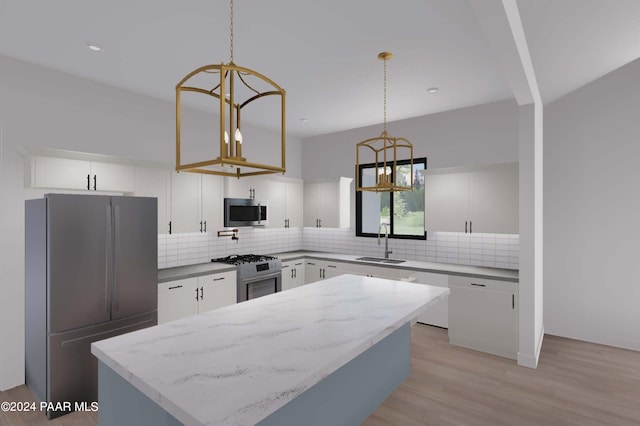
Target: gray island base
324 354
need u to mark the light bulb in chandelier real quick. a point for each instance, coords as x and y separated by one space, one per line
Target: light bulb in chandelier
226 137
238 136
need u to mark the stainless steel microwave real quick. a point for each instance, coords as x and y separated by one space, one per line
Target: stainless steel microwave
245 212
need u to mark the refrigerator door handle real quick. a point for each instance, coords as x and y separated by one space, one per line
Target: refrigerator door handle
107 260
116 232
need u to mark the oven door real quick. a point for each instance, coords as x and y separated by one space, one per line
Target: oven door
257 286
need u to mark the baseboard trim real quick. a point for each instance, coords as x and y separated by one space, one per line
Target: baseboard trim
531 361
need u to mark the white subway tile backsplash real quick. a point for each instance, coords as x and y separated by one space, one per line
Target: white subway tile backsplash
479 249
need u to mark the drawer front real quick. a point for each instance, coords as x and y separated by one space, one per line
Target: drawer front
480 283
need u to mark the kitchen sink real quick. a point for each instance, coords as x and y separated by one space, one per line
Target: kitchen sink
380 260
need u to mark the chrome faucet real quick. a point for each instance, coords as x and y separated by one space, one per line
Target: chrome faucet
387 252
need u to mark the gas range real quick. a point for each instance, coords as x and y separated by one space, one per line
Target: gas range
237 259
257 275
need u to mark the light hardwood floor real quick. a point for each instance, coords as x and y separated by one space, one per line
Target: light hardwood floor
576 383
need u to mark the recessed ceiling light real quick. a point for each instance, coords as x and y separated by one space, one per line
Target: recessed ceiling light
304 120
433 90
94 47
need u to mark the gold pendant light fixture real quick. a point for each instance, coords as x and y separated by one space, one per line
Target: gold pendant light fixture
234 87
386 151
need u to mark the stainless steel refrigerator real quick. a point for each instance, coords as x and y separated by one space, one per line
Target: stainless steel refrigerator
91 268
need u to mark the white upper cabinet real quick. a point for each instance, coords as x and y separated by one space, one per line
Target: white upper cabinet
294 203
327 204
211 203
113 177
285 203
154 182
494 199
256 187
479 199
66 173
185 202
60 173
196 202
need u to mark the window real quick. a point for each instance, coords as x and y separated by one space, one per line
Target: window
403 211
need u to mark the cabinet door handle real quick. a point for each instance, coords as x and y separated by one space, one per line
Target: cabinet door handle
465 226
479 285
95 182
295 272
88 182
200 226
332 266
205 226
201 293
169 227
297 264
513 301
197 294
311 263
470 226
292 273
219 279
174 287
285 266
320 222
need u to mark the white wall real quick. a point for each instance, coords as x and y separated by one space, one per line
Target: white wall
45 108
530 305
482 134
592 211
478 135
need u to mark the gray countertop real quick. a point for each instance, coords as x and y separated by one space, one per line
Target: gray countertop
182 272
189 271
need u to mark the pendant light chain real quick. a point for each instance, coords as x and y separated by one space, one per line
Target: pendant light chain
231 32
385 95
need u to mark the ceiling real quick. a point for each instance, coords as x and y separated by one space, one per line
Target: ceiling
323 52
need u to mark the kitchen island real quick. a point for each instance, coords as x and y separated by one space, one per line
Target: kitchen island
326 353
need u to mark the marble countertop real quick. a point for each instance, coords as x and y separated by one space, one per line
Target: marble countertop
240 363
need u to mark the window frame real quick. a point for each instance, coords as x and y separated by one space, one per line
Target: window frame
360 168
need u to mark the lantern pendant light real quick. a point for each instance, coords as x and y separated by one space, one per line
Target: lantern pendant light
385 150
234 87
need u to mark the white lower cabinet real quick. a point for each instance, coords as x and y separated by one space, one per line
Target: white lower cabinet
437 314
176 299
217 290
191 296
483 315
316 270
293 274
